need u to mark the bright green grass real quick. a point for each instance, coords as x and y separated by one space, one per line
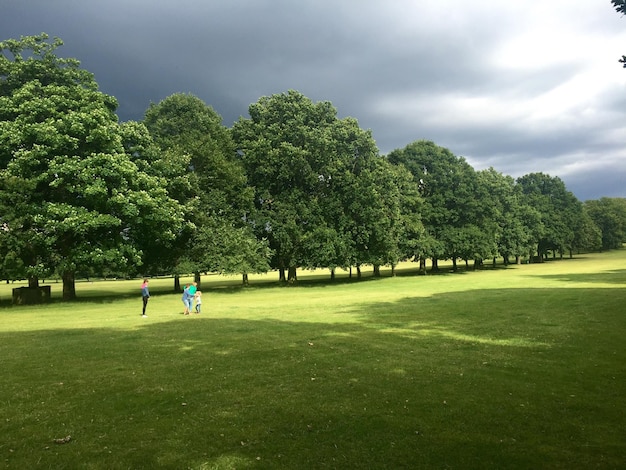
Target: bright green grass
523 367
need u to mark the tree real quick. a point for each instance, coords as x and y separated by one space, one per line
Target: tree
171 175
609 215
82 203
451 212
587 236
303 163
559 209
209 182
513 219
395 215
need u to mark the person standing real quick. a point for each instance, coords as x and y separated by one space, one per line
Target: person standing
145 295
185 300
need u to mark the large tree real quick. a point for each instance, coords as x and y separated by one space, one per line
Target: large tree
514 221
72 199
210 182
588 236
560 212
609 215
165 166
452 213
304 164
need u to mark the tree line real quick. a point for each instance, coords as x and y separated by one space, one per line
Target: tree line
290 187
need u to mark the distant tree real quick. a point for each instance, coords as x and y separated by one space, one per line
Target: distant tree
513 219
72 199
237 251
304 165
559 209
609 214
403 206
587 236
384 214
451 211
209 182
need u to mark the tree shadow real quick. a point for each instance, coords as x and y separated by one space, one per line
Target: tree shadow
617 276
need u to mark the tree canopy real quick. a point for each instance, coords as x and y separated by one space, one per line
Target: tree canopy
308 168
72 199
291 186
210 182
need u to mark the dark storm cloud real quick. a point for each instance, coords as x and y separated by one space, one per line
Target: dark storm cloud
521 87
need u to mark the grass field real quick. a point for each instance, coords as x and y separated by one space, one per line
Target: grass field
505 368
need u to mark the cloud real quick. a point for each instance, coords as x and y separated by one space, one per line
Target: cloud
519 86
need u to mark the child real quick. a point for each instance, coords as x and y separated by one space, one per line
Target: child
198 298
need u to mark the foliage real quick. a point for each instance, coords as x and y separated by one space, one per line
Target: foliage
453 211
307 168
80 200
515 221
199 161
609 214
291 187
559 209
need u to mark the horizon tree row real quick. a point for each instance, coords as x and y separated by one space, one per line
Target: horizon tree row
291 186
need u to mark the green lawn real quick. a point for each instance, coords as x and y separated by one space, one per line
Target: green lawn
523 367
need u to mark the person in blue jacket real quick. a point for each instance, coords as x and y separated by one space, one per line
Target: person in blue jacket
145 295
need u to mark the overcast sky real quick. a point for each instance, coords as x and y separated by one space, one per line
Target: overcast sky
530 86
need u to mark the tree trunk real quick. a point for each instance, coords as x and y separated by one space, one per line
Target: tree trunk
292 276
435 264
454 263
69 286
376 270
393 270
358 271
244 279
423 265
332 274
281 275
176 283
196 278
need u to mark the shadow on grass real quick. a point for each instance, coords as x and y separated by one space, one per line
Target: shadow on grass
306 280
608 277
464 380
